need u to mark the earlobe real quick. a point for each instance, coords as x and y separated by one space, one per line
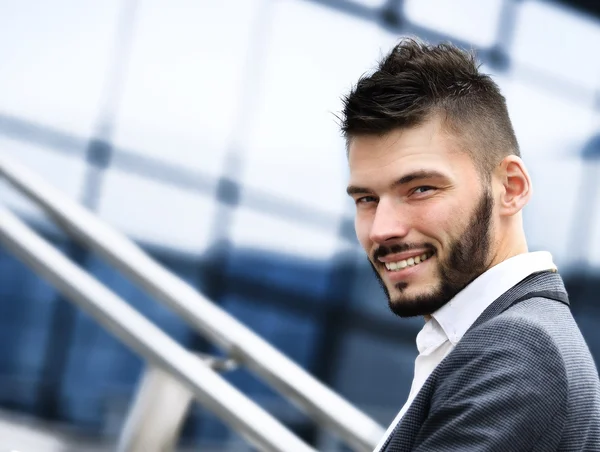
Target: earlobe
516 183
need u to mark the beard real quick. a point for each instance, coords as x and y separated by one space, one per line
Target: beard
468 257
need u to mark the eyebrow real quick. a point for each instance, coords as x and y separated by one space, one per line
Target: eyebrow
411 177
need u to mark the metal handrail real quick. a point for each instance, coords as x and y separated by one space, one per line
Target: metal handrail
149 341
324 405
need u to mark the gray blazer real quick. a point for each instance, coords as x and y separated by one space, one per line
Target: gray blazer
521 379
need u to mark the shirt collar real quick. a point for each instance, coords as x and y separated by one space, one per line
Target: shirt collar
457 316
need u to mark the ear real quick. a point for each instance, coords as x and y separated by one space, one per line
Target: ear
515 185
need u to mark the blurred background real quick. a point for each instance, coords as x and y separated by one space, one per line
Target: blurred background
206 131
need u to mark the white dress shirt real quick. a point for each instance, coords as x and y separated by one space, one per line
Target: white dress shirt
448 324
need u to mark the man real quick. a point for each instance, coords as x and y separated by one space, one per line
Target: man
439 186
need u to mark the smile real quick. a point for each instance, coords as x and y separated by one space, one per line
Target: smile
410 262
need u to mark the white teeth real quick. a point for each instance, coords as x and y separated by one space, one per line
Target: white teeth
410 262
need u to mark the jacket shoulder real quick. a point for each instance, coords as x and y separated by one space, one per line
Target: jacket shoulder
510 353
522 329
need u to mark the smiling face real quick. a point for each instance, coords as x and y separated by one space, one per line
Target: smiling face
424 215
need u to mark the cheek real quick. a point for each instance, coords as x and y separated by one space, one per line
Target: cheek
439 222
362 226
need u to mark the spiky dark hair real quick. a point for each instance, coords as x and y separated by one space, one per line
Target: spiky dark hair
417 81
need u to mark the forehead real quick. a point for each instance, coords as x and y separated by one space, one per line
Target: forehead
425 147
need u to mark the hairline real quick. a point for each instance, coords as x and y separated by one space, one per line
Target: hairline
460 144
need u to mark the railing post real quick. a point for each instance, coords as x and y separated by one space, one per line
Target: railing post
156 414
159 409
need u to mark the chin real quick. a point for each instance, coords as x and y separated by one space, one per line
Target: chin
405 302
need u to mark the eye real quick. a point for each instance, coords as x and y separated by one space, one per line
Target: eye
365 200
423 189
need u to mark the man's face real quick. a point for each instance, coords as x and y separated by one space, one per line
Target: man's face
423 215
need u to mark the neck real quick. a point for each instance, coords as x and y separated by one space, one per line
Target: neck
510 242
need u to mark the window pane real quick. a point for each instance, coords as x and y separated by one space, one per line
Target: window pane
558 40
65 173
157 213
375 374
184 80
551 217
55 57
254 229
547 123
471 20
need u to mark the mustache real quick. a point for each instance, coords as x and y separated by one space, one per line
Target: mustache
384 250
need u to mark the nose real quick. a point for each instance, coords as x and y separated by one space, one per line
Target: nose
389 222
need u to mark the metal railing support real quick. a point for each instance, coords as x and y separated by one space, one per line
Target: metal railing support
149 341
